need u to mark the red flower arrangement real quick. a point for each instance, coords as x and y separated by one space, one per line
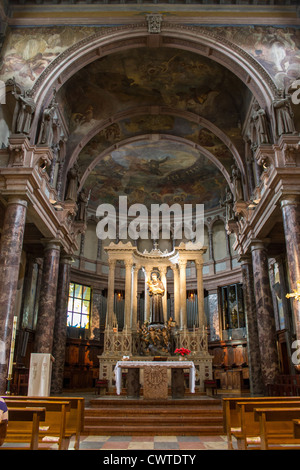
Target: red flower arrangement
182 351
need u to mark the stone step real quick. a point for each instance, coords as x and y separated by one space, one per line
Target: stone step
155 420
159 412
140 402
150 430
182 417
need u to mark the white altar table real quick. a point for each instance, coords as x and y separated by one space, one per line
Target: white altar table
155 375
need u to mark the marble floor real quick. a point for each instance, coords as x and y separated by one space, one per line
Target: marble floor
162 443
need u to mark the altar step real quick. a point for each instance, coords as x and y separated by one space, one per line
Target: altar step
184 417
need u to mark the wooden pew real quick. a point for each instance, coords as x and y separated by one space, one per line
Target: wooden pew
276 427
54 427
296 428
75 418
29 418
249 433
231 418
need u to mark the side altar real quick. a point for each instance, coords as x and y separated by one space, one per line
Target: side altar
158 336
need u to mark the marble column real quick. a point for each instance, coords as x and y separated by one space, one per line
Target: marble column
265 314
134 297
163 271
256 387
10 257
290 207
60 327
110 293
200 294
176 295
182 276
47 304
210 244
128 292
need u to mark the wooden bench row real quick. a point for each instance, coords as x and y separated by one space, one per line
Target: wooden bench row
63 420
262 422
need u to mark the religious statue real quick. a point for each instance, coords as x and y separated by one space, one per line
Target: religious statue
156 291
283 114
82 203
24 112
237 183
259 133
72 188
228 203
46 132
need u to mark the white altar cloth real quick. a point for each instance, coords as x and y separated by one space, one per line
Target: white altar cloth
142 364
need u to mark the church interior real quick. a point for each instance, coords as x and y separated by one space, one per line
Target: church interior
183 103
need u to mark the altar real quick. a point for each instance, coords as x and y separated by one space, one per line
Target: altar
155 381
157 332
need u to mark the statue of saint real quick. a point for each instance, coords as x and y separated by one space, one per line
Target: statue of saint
156 291
72 183
283 114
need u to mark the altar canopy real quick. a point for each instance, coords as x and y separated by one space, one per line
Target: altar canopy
151 262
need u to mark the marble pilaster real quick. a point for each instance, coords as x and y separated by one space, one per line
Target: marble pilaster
290 207
47 303
10 256
60 327
265 313
251 322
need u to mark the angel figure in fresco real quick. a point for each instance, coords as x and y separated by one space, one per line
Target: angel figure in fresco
156 291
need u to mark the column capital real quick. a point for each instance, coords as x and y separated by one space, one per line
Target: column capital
257 245
289 200
245 259
17 200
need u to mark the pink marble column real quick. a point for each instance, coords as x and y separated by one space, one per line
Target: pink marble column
290 207
265 314
256 387
10 256
60 327
47 303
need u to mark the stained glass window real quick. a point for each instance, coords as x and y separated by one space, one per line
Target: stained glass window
79 306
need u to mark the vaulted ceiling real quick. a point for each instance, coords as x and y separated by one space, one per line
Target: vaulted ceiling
155 124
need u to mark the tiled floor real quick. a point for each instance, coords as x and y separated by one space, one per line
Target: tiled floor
153 443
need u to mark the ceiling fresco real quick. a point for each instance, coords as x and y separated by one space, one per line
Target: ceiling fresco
153 77
183 87
150 172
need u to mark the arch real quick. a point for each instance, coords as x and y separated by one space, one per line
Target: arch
158 137
115 39
158 110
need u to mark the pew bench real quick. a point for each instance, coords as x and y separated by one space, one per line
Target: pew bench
249 432
74 419
231 416
24 421
53 429
276 428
